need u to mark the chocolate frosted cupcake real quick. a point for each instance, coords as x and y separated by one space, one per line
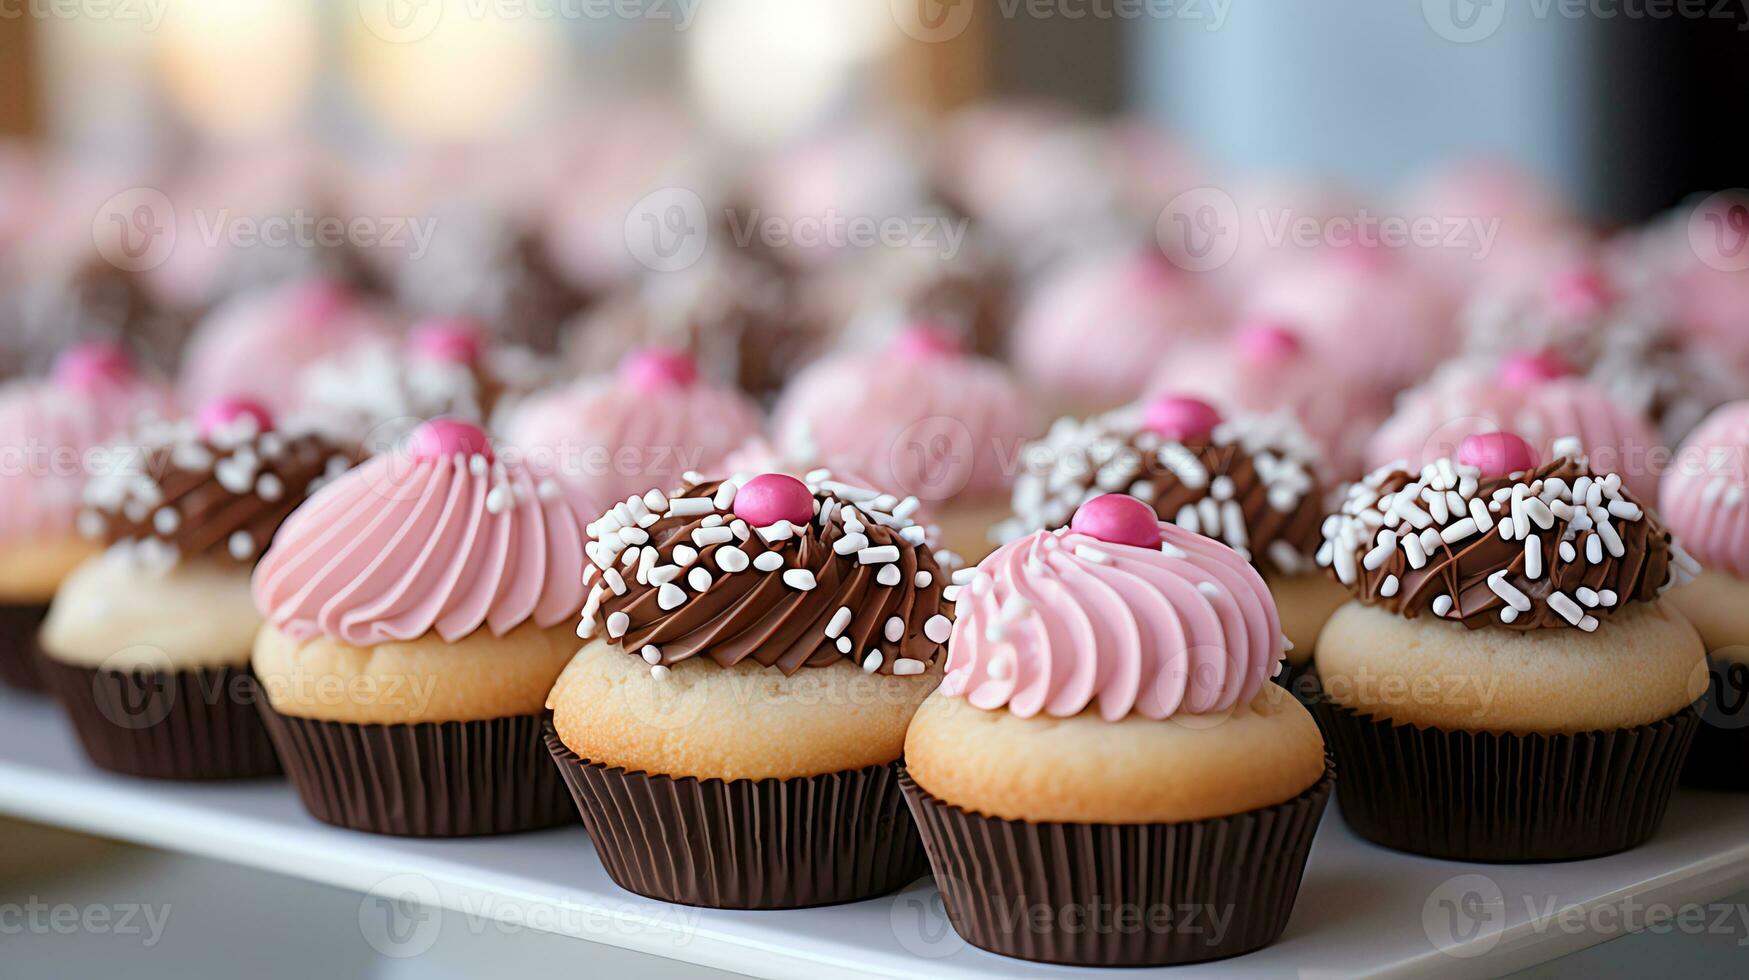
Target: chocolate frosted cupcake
1250 481
1507 684
418 610
1106 745
50 430
1705 499
147 645
755 652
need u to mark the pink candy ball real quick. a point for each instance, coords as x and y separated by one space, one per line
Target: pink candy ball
443 438
655 368
92 365
772 497
1181 419
449 341
1497 454
1532 370
1118 519
925 341
1267 341
222 413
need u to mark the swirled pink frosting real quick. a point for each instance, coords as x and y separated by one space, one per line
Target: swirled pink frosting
1057 622
408 544
1704 497
49 430
1469 398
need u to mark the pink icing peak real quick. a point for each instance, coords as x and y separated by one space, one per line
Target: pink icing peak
925 341
655 368
1497 454
1526 370
1264 340
1059 622
93 365
772 497
319 302
1704 498
453 341
1179 418
1117 518
223 413
1580 291
444 438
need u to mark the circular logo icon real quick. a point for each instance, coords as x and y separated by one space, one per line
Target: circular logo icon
931 458
932 21
1199 229
135 230
1723 680
135 687
1718 231
1465 916
400 21
919 920
667 230
1464 21
400 916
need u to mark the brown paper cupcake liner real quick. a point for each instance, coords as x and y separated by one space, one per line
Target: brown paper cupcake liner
1719 758
1500 797
1120 894
746 844
184 724
455 779
19 653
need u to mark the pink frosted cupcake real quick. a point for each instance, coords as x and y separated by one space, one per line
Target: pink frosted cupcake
1266 368
1087 340
613 436
418 609
921 418
1107 702
1705 497
50 431
1534 395
260 344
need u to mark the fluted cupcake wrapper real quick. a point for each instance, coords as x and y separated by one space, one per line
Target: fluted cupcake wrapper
1719 758
455 779
1111 895
19 652
1501 797
185 724
746 844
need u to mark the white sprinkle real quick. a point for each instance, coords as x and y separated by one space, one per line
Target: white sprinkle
634 535
1209 589
241 545
922 579
781 531
740 530
1586 596
850 543
646 565
1459 531
725 496
1417 555
663 574
1607 598
768 561
1508 592
1092 554
617 624
872 662
1389 586
1441 605
165 520
705 537
843 645
1508 614
1566 607
877 556
1588 624
800 579
1611 539
889 575
731 560
905 668
1625 510
1567 552
270 487
836 625
670 596
1533 557
615 581
660 672
651 654
689 506
895 629
699 579
951 593
1593 549
498 501
938 628
684 556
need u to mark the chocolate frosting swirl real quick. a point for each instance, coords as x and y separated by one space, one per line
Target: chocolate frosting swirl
221 497
785 596
1558 547
1251 484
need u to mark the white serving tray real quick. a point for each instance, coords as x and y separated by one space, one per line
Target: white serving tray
1363 910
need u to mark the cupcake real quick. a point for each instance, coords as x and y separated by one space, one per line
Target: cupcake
1264 368
260 344
1251 482
612 436
1107 738
51 430
921 418
1088 338
1705 500
418 609
754 652
1537 396
147 645
1507 684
